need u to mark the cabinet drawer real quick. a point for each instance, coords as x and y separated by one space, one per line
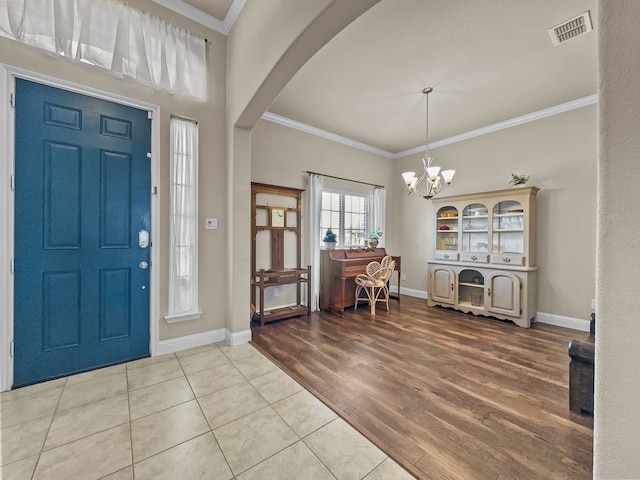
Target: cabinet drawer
445 255
505 259
475 257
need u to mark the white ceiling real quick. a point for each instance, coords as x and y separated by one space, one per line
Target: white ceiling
488 61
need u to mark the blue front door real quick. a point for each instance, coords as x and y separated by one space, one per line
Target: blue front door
82 207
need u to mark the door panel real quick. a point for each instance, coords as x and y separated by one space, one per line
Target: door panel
442 289
503 295
61 323
82 195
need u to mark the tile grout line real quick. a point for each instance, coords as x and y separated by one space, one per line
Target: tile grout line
55 411
204 415
270 405
241 359
301 439
214 433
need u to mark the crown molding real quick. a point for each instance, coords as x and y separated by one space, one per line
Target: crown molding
232 14
303 127
189 11
530 117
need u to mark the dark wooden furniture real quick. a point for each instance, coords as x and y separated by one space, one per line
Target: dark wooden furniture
276 211
338 269
581 373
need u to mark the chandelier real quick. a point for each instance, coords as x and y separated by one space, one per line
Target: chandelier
433 179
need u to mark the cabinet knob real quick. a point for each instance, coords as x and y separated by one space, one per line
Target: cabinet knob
446 256
506 260
473 257
488 292
452 287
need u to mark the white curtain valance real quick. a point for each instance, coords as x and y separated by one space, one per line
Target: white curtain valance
114 36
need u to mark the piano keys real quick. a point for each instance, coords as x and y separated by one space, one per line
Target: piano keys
338 269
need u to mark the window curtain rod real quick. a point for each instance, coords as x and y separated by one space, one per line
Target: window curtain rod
346 179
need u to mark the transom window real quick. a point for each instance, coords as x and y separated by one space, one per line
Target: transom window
348 215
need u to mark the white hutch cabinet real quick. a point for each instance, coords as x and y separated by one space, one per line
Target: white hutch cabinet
484 254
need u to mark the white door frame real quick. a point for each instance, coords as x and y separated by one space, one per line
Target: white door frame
8 74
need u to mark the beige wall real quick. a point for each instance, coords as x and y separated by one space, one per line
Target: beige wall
617 423
559 153
273 26
211 119
269 42
281 155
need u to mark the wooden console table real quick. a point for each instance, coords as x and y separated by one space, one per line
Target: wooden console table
267 278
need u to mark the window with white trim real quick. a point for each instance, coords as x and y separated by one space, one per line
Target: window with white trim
183 267
349 215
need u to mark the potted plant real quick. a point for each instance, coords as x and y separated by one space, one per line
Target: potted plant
518 180
374 237
329 240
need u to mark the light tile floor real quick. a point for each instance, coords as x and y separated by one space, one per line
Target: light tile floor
213 412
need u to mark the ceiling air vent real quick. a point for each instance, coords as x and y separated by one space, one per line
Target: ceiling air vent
571 29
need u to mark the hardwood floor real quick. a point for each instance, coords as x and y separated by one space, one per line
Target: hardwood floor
445 394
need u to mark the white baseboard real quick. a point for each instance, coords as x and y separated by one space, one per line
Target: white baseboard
237 338
561 321
199 339
409 291
541 317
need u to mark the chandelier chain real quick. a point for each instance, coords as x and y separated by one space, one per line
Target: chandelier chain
426 130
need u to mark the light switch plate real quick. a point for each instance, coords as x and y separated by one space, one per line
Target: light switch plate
211 223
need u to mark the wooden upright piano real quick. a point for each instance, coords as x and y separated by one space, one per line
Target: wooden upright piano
338 269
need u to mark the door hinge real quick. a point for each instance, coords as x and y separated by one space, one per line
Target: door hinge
148 154
154 190
150 115
12 99
11 266
13 182
11 349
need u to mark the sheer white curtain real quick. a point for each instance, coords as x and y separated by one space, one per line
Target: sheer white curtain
379 211
183 266
114 36
314 207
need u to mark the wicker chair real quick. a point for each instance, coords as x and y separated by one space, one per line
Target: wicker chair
374 283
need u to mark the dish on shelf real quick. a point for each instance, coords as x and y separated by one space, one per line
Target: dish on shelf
516 210
478 212
444 227
448 214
